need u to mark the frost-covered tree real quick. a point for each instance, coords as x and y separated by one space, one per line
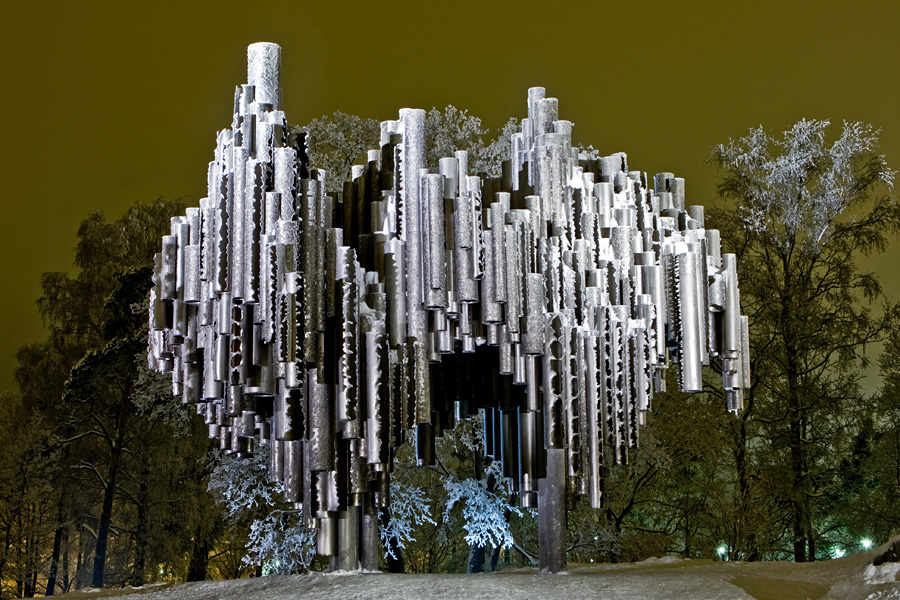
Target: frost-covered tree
449 130
242 483
486 508
444 517
410 508
478 499
490 160
277 542
336 142
452 129
280 543
799 211
125 474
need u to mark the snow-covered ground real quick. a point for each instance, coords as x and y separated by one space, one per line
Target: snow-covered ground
849 578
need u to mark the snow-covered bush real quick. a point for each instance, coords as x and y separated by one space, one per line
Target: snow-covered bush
280 543
484 511
243 483
277 540
409 507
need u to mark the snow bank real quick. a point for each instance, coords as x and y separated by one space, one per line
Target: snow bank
849 578
881 574
665 560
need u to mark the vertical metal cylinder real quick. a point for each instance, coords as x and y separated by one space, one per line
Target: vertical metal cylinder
263 66
348 523
292 475
413 159
326 537
552 514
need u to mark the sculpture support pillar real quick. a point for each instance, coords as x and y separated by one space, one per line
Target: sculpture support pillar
347 557
552 514
370 542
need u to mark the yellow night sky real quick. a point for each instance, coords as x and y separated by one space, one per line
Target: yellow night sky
108 103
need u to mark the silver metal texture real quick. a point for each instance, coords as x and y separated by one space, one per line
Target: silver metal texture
328 326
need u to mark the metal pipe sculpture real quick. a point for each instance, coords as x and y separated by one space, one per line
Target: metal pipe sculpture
548 301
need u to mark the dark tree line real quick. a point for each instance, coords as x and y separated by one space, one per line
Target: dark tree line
111 486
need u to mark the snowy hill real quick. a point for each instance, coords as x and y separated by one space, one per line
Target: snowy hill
849 578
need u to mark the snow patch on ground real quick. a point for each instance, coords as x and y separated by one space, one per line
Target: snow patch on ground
849 578
885 573
665 560
351 572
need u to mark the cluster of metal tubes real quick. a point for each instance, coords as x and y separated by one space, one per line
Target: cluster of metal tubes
549 301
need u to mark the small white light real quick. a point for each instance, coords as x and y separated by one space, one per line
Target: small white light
722 550
866 543
837 552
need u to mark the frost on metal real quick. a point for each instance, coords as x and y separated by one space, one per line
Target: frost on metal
549 301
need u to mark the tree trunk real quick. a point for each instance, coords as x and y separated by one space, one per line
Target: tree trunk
65 560
687 529
799 517
199 563
476 560
82 574
79 559
110 492
57 548
143 523
31 552
54 561
6 545
20 574
495 558
795 411
397 563
748 544
507 515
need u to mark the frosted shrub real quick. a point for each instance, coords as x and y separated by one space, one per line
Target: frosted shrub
243 483
280 544
278 541
409 508
484 511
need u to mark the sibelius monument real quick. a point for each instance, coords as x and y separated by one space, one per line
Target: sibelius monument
548 302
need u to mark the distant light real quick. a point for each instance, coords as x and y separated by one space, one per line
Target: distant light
596 537
722 550
866 543
837 552
592 560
